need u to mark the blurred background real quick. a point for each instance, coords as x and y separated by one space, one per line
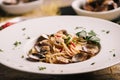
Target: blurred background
45 8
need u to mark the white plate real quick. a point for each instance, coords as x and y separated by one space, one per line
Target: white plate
11 56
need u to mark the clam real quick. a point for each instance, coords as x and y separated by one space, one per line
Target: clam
91 48
88 50
37 48
42 37
35 57
36 53
80 57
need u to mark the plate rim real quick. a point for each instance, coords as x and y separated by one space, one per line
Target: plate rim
58 72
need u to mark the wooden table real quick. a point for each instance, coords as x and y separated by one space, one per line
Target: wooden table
51 8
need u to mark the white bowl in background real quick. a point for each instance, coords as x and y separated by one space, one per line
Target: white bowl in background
21 7
108 15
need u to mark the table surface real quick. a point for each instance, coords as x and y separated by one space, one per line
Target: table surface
51 8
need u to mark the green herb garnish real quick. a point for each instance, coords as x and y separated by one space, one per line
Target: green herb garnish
107 32
95 39
83 33
79 27
92 33
113 52
1 50
17 43
22 56
114 55
42 68
93 63
67 40
23 29
90 36
28 37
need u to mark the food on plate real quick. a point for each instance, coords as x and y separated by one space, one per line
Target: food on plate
100 5
14 2
63 48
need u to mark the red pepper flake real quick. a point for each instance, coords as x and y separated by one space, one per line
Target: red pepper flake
72 44
6 25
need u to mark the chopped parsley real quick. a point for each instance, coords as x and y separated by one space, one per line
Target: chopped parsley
93 63
1 50
82 33
41 68
88 36
114 55
113 52
17 43
79 27
92 33
28 37
23 29
67 40
22 56
106 31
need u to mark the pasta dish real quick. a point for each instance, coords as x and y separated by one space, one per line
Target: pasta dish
63 48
